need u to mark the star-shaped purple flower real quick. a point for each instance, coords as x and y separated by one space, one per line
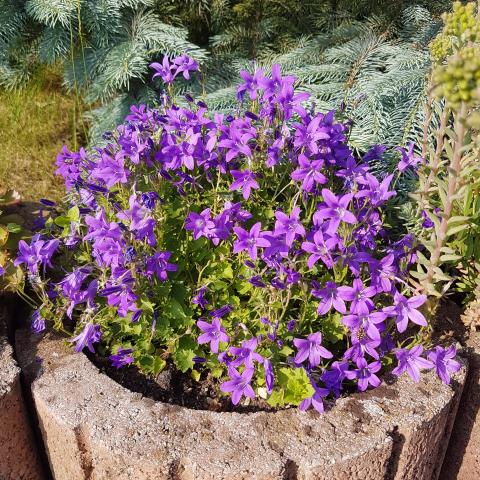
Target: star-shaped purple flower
250 241
406 309
214 333
244 181
409 159
360 297
246 354
289 225
239 385
410 360
320 249
89 335
159 265
336 209
311 348
443 359
365 374
331 296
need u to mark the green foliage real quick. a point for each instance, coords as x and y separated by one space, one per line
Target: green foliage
450 179
11 277
371 56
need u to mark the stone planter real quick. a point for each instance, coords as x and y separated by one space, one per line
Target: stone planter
94 428
19 459
462 461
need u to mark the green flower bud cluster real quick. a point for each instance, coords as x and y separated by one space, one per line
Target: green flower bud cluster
461 21
459 79
460 28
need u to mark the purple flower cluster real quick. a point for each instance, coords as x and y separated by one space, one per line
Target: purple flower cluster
265 220
169 71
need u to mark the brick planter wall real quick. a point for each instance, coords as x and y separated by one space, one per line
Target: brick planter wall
19 459
94 428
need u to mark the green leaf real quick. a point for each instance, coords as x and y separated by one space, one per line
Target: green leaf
62 221
297 385
184 359
14 228
3 235
74 214
174 309
333 329
450 258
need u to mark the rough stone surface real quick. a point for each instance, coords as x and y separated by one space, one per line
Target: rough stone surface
462 460
95 429
18 456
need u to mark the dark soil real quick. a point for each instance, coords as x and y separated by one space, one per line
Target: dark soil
172 386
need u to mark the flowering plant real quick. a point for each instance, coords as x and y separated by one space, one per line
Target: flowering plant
250 246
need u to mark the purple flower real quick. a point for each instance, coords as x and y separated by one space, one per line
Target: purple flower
158 264
251 84
383 273
2 271
246 353
312 349
365 374
111 170
213 333
239 385
331 296
199 298
269 375
316 400
409 159
69 165
119 292
309 173
352 173
249 241
443 359
38 252
289 225
140 221
71 287
406 309
362 344
243 181
237 137
333 377
335 209
200 224
427 221
222 311
367 321
412 362
90 334
184 65
122 358
38 322
319 249
360 297
257 281
377 192
163 70
374 153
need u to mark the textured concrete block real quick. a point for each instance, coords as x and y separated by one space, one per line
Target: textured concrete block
19 459
96 429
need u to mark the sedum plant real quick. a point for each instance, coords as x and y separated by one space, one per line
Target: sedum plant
250 247
449 179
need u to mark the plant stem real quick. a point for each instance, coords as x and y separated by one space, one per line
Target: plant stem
440 138
454 172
